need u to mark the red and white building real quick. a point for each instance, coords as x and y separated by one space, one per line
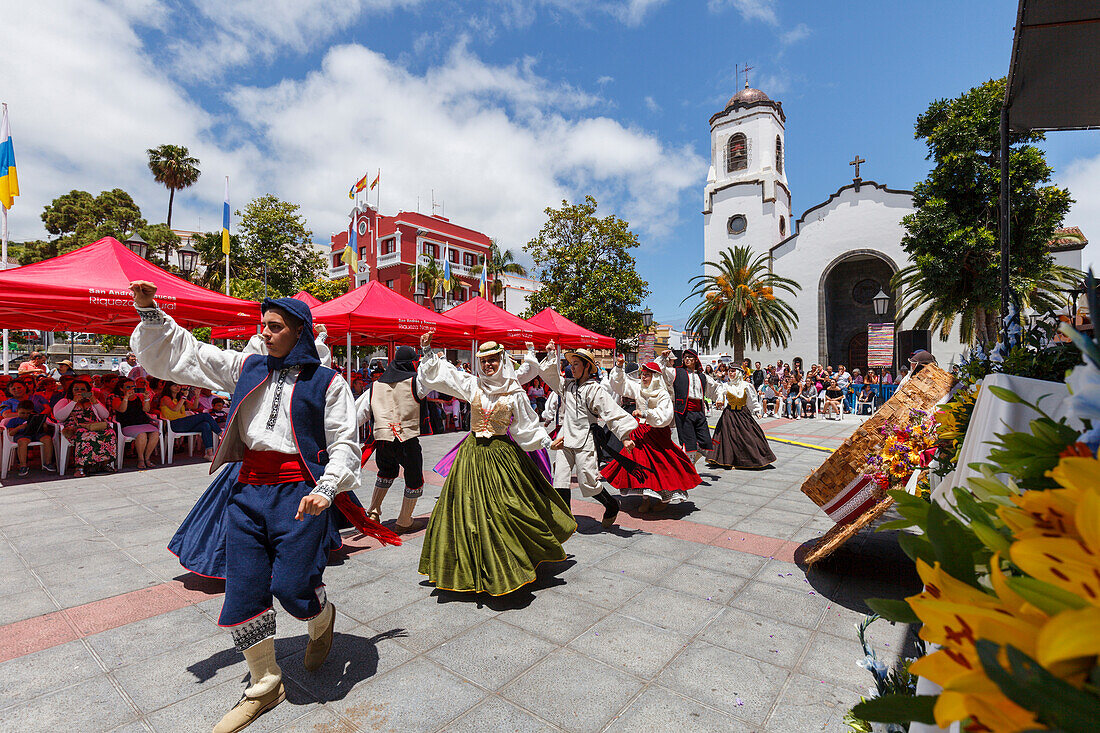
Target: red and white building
388 249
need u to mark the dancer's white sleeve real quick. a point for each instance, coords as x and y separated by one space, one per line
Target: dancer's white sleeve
362 408
617 420
526 429
168 351
440 374
342 435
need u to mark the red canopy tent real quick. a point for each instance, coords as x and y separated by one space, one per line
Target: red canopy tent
88 290
487 322
567 333
245 332
374 313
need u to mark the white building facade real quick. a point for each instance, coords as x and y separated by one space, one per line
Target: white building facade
841 251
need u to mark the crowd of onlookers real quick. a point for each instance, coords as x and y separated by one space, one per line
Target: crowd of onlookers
786 390
91 413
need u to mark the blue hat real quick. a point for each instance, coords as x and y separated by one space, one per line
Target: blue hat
305 351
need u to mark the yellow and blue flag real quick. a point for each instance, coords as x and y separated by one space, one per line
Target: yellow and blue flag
358 186
448 284
351 251
9 181
225 219
484 281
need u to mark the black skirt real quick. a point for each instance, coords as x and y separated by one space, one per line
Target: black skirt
739 442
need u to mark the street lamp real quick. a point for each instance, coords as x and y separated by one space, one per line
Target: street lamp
419 298
137 245
438 301
647 319
703 333
189 257
881 303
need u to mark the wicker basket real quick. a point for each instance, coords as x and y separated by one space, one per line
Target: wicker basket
838 485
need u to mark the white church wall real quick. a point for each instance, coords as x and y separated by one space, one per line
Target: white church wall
762 223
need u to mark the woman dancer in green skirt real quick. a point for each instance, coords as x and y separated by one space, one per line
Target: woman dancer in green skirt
497 517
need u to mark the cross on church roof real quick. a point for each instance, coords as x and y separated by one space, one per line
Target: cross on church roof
856 163
745 70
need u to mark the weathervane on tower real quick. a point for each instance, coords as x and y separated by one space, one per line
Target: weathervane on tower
737 71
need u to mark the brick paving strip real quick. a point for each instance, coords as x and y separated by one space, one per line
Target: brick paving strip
42 632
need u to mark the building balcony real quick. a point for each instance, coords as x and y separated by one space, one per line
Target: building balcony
389 259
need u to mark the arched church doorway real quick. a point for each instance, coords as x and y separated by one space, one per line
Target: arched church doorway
847 290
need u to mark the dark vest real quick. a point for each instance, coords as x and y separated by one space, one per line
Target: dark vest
307 411
680 389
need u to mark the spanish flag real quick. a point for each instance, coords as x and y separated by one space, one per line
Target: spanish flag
9 181
359 186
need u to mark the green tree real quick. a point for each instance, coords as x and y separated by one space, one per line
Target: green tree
739 305
161 240
77 218
174 168
212 273
272 232
951 238
324 289
587 271
430 273
500 262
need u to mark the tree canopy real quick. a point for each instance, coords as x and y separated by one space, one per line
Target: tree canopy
587 271
173 166
738 303
951 238
272 231
500 262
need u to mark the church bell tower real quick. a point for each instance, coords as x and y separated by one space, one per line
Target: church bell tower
746 200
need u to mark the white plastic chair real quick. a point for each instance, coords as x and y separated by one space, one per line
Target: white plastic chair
123 440
170 436
8 447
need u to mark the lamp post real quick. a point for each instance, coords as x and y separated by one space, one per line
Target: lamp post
188 258
704 332
647 319
881 303
419 298
438 301
137 245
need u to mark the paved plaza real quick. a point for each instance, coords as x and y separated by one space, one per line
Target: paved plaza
697 619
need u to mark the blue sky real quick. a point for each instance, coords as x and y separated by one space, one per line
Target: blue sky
501 108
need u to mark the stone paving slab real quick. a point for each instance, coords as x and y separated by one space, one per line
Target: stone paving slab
675 622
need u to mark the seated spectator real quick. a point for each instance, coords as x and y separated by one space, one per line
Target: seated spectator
26 427
130 368
536 392
48 391
872 377
17 392
106 388
93 436
173 408
857 377
202 399
35 365
903 372
887 378
843 378
834 396
219 410
770 398
807 398
358 387
866 399
132 405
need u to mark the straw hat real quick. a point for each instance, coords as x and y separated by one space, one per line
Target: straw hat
489 348
66 362
584 354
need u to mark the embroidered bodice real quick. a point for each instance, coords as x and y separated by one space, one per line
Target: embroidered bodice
494 421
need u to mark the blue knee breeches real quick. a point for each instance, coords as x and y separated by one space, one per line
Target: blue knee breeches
269 553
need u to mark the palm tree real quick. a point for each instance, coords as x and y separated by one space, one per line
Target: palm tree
431 274
978 317
173 166
500 262
739 305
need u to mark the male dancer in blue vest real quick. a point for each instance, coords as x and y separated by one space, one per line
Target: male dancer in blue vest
292 424
689 387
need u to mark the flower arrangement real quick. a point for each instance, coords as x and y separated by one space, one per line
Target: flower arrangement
952 420
1011 578
906 447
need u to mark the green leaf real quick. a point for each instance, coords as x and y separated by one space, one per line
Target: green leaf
990 537
893 609
966 504
917 548
953 544
898 709
896 524
1054 701
1006 394
1050 599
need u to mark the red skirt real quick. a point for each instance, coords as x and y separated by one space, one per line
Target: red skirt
670 469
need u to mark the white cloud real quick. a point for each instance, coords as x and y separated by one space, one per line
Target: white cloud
233 33
605 80
522 13
651 104
799 33
762 10
1082 178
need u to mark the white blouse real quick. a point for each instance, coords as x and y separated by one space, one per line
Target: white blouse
440 374
656 412
168 351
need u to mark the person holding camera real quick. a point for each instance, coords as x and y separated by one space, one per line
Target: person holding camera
87 425
174 402
132 405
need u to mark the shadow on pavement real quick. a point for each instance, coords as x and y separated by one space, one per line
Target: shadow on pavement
202 583
547 577
589 526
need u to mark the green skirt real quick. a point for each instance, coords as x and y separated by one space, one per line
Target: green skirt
496 519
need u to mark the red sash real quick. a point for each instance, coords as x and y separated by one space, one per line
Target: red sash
265 467
694 405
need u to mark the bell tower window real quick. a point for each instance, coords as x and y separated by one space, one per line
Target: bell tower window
778 155
737 153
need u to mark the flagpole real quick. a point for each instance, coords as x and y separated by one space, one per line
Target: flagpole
4 266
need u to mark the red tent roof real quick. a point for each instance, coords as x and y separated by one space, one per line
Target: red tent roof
567 333
245 332
88 290
373 312
487 322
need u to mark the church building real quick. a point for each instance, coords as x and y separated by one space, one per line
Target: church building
842 251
